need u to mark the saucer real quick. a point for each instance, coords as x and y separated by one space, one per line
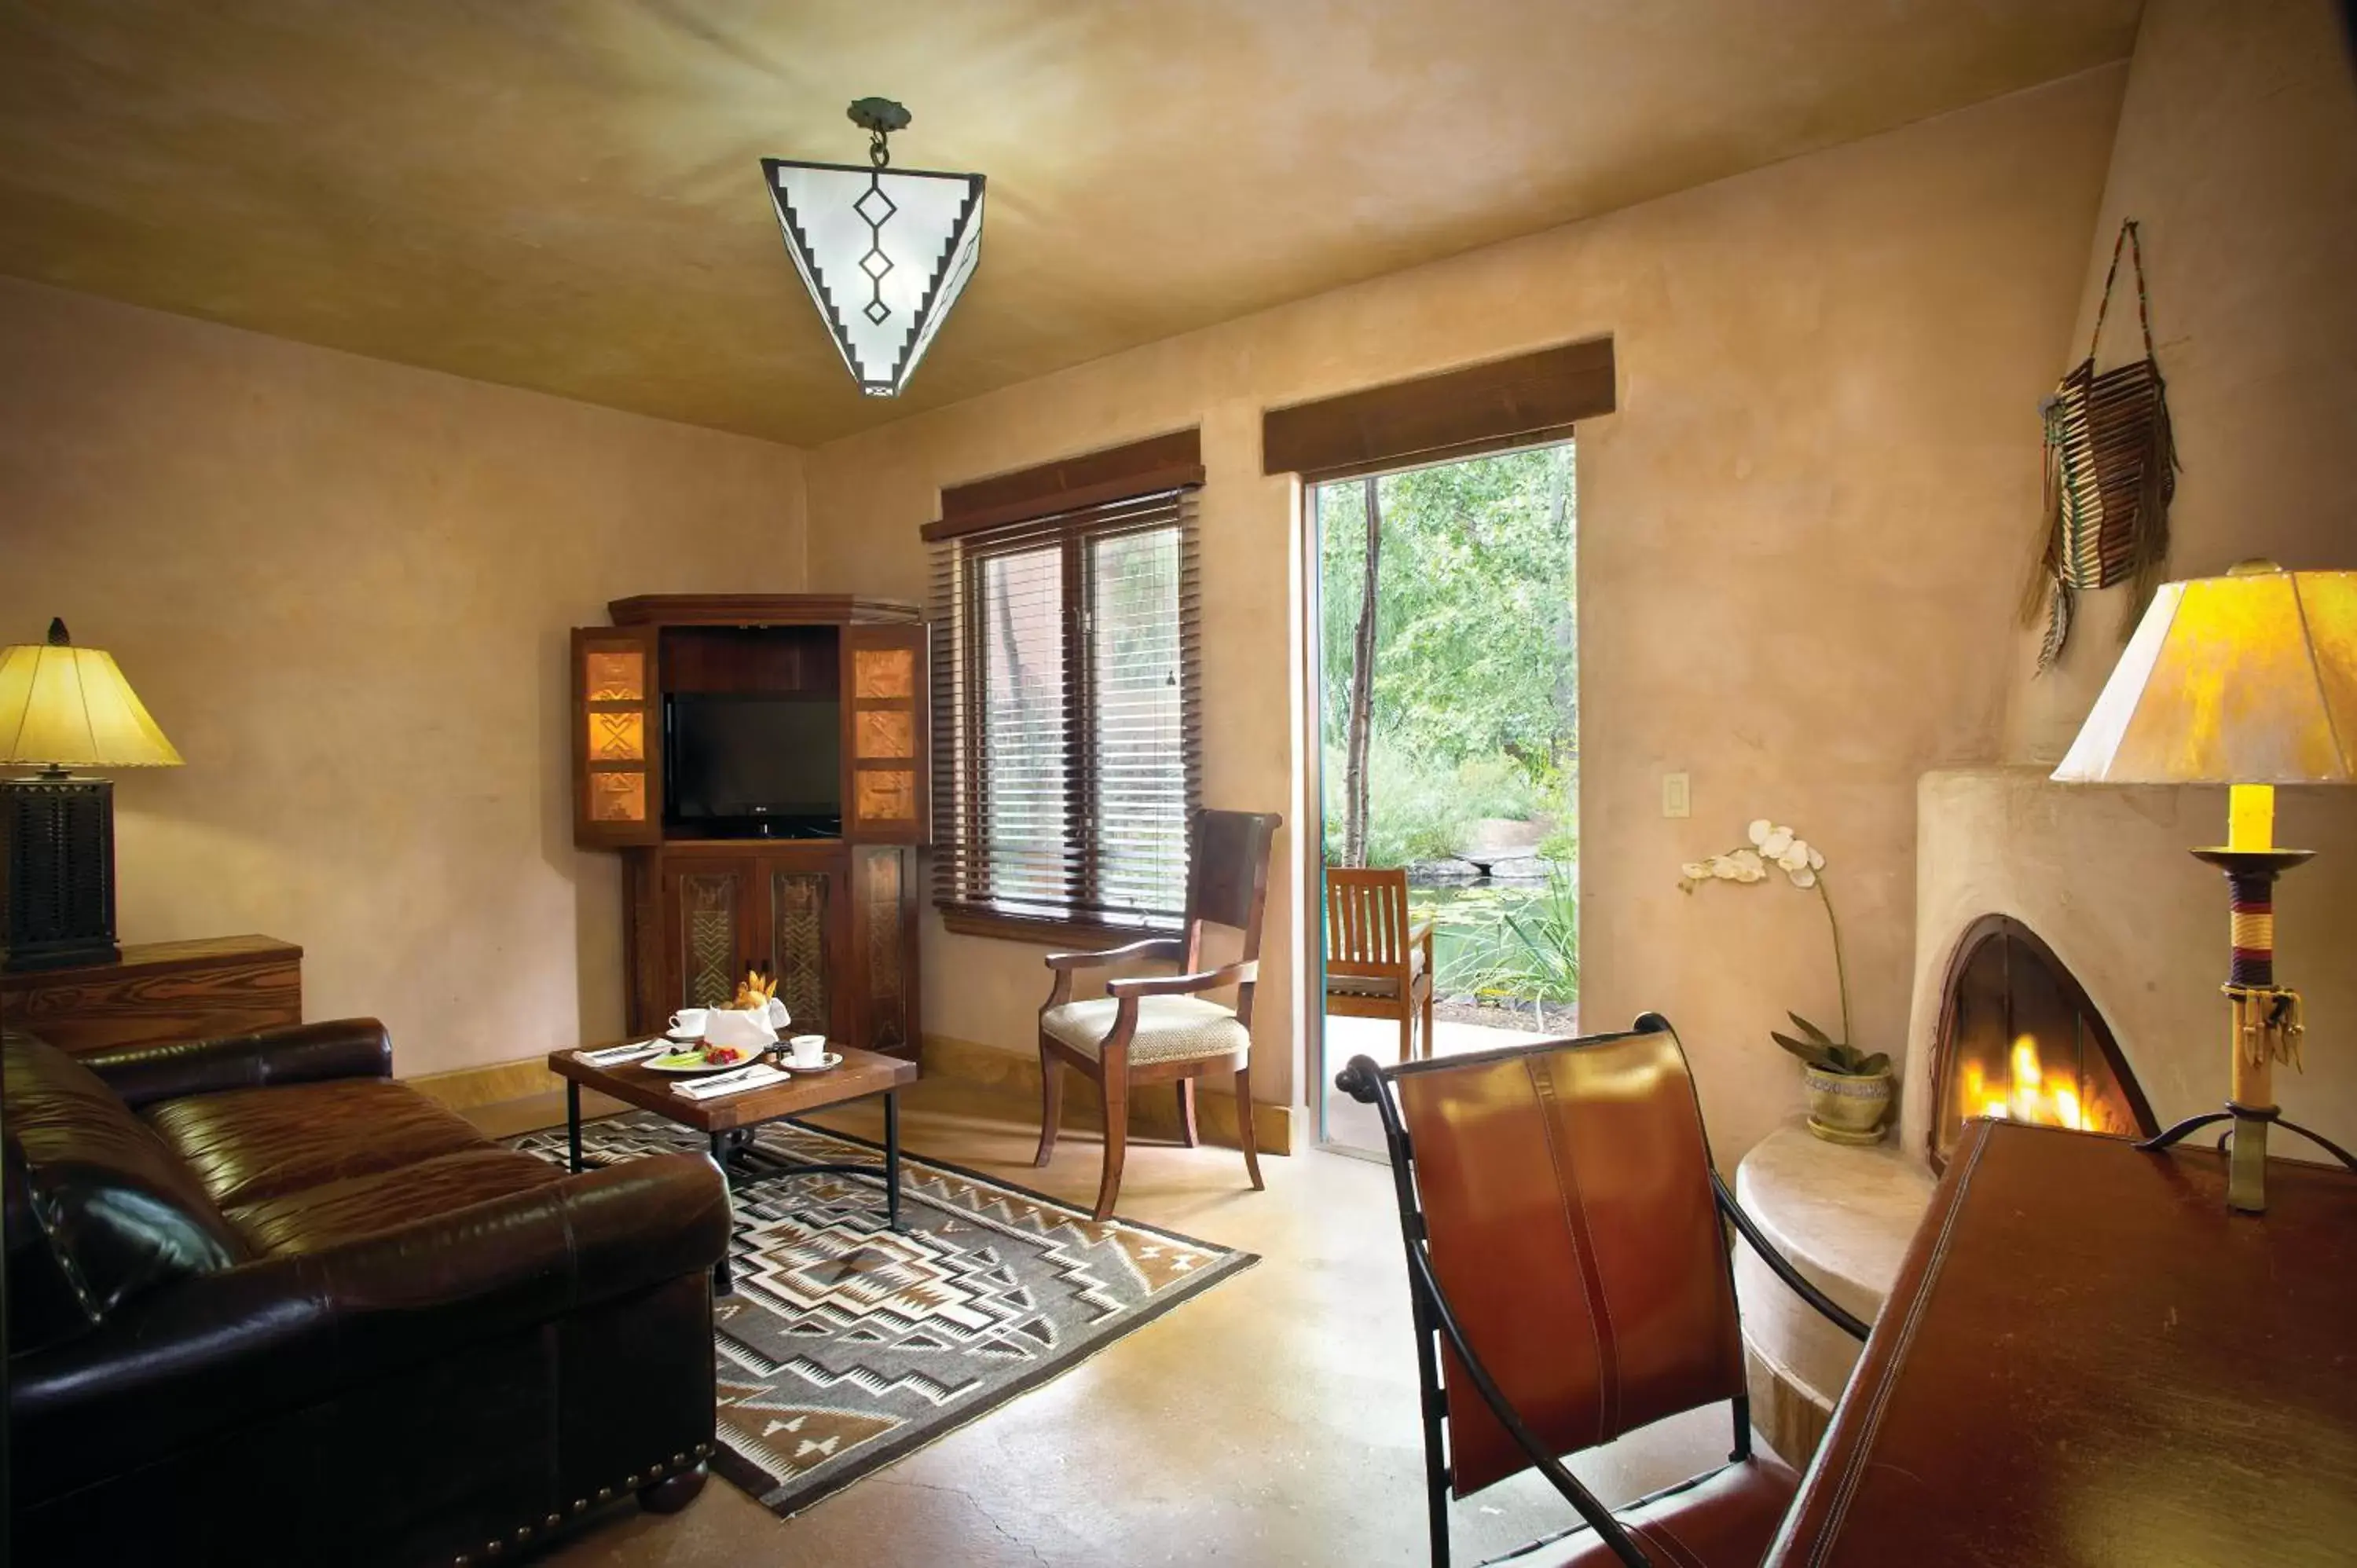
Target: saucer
689 1037
826 1063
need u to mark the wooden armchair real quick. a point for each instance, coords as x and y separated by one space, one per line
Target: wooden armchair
1571 1282
1377 964
1160 1028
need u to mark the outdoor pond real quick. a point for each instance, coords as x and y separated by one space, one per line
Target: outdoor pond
1510 943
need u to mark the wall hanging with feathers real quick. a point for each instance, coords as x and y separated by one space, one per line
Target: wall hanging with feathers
2111 471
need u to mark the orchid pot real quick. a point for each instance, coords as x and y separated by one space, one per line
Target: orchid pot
1849 1091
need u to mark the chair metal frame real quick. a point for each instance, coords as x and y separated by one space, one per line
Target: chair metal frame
1436 1318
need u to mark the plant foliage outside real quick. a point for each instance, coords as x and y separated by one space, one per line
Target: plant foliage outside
1450 648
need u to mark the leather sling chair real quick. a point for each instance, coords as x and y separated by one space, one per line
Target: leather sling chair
1572 1283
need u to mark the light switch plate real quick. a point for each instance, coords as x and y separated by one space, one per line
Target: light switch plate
1677 799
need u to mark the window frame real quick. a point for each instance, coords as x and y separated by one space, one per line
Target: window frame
960 887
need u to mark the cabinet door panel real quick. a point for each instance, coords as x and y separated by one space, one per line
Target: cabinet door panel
616 737
709 918
802 904
883 694
885 948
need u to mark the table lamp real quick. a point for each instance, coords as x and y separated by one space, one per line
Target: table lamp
63 707
2248 679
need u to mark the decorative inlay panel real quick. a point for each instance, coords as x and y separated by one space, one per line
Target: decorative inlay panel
617 796
886 795
798 944
886 989
707 913
888 733
617 737
883 673
616 676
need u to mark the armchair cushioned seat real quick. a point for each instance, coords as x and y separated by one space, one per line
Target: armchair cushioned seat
1169 1028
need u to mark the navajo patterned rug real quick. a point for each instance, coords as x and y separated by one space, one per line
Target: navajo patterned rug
845 1346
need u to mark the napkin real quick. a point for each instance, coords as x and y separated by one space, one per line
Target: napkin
614 1054
759 1077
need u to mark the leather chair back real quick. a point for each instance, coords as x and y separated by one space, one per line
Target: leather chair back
1566 1190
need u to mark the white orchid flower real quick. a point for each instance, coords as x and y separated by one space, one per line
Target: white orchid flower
1749 867
1795 857
1723 867
1759 831
1816 858
1803 877
1777 842
1695 871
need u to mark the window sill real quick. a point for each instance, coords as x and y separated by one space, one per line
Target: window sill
1070 935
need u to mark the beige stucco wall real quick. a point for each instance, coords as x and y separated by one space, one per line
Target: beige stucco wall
1799 534
2237 155
342 587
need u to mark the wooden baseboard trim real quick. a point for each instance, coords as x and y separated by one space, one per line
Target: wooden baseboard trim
463 1088
1154 1112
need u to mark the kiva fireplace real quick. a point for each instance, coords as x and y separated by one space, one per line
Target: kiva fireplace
2018 1038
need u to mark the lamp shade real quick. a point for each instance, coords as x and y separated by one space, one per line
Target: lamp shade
2250 678
62 706
885 253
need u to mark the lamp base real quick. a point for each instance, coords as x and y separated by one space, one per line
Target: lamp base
56 872
2246 1159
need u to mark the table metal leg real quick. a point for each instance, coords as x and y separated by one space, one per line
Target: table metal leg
722 1282
573 1126
892 1159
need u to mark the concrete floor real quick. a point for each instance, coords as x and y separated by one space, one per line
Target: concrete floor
1270 1420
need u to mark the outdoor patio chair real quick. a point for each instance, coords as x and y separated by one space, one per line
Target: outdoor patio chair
1161 1028
1377 964
1571 1282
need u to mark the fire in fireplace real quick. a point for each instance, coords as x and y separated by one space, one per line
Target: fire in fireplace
2020 1038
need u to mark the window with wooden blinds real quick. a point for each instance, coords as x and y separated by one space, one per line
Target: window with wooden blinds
1067 727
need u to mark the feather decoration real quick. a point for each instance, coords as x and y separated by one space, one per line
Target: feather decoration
2111 473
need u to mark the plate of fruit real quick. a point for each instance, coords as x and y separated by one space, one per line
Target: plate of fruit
701 1058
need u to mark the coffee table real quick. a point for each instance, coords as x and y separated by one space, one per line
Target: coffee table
728 1121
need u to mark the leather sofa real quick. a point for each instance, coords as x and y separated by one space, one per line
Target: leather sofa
268 1306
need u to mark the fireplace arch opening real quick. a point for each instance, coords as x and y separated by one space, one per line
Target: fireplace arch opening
2020 1038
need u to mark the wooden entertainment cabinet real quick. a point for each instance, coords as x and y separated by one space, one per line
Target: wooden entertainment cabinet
832 912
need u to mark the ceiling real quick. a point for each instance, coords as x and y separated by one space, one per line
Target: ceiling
567 197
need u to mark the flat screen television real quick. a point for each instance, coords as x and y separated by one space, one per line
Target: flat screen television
742 765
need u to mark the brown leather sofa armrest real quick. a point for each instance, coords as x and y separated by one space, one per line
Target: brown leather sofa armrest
290 1053
212 1352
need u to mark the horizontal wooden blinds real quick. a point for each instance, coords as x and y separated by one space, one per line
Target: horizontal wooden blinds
1067 712
1520 401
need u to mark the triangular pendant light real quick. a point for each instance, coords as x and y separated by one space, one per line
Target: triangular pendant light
885 252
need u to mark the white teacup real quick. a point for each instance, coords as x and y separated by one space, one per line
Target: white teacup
806 1050
689 1021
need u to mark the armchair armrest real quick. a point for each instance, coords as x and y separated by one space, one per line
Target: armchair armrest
1781 1266
210 1352
1180 985
1161 948
290 1053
